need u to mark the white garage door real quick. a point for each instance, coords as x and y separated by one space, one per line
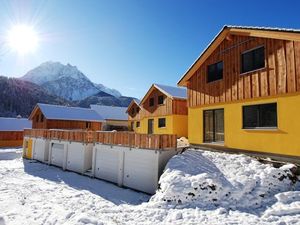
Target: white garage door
140 170
57 154
41 150
75 158
108 163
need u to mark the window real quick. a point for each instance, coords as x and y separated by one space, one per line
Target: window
88 125
42 118
138 124
162 122
132 111
161 99
137 110
215 72
260 116
132 126
253 59
151 102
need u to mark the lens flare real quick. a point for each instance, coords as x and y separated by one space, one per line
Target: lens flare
22 39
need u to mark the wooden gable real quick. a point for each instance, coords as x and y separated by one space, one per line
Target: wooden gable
133 110
280 75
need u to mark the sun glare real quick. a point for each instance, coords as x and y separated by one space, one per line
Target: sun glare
22 39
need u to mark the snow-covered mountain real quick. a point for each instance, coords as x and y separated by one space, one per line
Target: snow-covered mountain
65 81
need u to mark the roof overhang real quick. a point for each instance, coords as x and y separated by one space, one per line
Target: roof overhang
152 88
274 33
133 102
36 107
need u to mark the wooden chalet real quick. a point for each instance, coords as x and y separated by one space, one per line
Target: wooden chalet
163 110
134 116
244 91
45 116
11 131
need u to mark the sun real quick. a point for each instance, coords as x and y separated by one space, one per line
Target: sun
23 39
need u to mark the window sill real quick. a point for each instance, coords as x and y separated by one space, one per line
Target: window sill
214 81
162 127
253 71
261 129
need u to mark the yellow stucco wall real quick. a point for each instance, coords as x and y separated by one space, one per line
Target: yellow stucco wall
175 124
283 140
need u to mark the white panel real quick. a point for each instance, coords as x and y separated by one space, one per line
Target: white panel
107 163
41 150
88 157
75 157
141 170
57 154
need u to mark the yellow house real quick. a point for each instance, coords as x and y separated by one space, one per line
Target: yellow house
244 92
163 110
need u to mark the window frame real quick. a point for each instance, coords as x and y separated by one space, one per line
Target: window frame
242 72
258 115
163 100
165 123
137 124
207 71
151 99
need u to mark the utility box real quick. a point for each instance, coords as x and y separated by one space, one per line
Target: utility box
28 146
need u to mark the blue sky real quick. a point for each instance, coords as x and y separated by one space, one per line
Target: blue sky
128 45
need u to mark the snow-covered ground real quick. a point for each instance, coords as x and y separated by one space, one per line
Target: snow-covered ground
213 188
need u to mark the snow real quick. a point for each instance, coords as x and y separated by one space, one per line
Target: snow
69 113
175 92
66 81
14 124
35 193
111 112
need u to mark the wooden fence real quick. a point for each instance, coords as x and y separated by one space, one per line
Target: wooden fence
124 138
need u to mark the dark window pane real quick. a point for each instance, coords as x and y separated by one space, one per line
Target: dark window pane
215 72
161 122
250 116
137 124
151 102
209 126
253 60
268 115
264 115
160 99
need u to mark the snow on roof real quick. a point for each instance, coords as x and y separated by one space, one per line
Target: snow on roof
111 112
14 124
175 92
58 112
264 28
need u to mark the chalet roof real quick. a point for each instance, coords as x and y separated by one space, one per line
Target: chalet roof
58 112
110 112
134 101
264 32
14 124
170 91
174 92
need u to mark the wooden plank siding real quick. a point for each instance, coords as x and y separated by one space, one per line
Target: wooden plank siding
171 106
11 138
39 123
281 74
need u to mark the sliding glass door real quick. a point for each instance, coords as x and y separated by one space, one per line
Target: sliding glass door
213 121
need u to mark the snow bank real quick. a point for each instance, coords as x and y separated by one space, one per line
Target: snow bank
211 179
